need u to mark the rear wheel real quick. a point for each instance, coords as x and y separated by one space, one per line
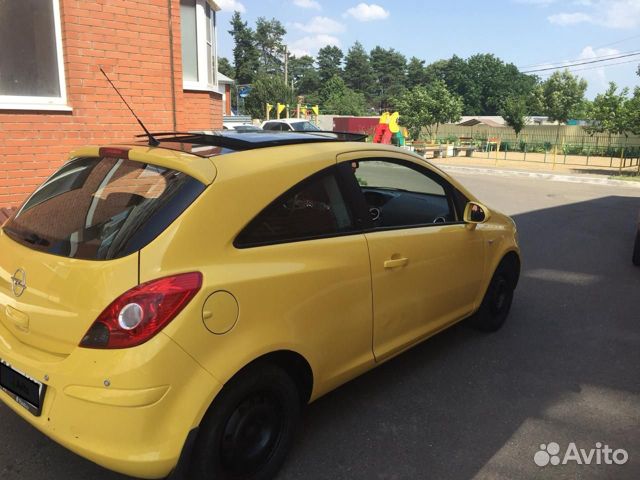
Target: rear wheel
496 303
247 432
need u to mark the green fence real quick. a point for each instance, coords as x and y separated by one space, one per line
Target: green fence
540 134
574 145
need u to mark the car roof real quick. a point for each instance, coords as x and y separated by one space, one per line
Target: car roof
210 144
192 153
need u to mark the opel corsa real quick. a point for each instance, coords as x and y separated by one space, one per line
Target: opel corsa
172 308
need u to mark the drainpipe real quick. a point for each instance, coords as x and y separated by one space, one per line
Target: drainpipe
172 67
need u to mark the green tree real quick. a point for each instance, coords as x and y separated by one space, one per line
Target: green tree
427 107
304 75
329 62
607 111
245 53
358 74
535 101
416 73
563 95
514 112
265 89
436 71
269 41
338 99
631 113
497 80
225 67
464 83
483 81
390 71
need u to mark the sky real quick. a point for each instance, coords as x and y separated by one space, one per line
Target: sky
531 34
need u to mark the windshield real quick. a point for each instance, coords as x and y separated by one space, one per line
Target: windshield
304 127
102 208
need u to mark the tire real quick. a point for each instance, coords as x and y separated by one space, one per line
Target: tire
636 249
496 303
249 429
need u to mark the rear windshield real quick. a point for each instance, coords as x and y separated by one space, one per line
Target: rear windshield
102 208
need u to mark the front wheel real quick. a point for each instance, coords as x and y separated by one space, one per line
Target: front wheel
496 303
249 429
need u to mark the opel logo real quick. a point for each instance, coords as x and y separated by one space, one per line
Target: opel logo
19 282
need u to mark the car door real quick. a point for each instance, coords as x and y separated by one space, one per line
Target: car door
309 256
426 263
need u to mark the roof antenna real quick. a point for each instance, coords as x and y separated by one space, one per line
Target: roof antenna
153 141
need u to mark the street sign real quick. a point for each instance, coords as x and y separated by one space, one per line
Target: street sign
244 91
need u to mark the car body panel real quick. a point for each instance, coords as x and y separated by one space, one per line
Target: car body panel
448 260
63 292
438 284
332 278
109 405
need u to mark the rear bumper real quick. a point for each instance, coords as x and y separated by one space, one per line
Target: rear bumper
138 424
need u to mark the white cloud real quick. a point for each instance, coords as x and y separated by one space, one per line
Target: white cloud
564 19
620 14
310 44
231 5
589 52
307 4
320 25
597 78
364 12
598 75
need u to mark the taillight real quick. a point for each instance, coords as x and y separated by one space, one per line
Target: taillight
139 314
114 152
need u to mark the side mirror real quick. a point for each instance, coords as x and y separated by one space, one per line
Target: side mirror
475 213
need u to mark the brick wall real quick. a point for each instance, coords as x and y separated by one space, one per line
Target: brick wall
198 107
130 40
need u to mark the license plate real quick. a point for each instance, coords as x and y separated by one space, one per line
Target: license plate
25 390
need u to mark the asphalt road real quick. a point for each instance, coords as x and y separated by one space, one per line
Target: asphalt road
565 368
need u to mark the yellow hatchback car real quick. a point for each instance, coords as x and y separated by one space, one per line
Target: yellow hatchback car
171 308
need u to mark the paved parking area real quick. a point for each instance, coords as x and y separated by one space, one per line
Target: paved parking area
565 368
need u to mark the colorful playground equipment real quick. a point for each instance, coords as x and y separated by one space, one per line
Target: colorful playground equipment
388 131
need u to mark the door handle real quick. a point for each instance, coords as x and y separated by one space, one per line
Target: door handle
396 262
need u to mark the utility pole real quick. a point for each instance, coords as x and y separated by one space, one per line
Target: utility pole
286 65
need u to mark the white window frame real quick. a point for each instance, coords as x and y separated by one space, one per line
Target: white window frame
201 40
20 102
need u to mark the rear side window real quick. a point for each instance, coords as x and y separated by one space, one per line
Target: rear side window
315 208
102 208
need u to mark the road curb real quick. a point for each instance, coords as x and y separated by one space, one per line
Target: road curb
540 175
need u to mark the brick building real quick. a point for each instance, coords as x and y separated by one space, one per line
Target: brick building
161 54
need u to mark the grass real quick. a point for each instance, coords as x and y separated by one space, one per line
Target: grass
629 176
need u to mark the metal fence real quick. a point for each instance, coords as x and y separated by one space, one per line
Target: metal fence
569 145
541 134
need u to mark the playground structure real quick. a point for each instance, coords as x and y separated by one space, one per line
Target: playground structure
388 131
